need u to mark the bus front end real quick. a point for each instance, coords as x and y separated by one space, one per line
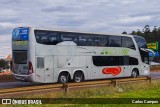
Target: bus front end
20 49
144 54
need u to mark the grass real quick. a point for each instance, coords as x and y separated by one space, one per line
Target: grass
128 90
133 90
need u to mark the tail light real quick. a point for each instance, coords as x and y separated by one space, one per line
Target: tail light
30 70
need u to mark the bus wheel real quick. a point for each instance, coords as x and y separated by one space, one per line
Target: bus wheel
78 77
63 78
134 73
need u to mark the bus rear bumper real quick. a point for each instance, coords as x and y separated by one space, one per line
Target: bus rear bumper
23 78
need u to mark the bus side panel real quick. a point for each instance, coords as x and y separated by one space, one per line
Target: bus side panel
70 64
48 66
144 69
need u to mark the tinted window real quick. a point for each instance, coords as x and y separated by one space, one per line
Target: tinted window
47 37
20 57
86 40
102 40
128 42
125 60
107 60
53 38
114 60
133 61
140 42
115 41
130 60
69 37
41 36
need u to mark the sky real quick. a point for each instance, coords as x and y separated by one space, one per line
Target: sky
104 16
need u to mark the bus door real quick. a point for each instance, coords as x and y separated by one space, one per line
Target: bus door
48 63
88 68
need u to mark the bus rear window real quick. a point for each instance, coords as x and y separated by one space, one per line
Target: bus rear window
20 57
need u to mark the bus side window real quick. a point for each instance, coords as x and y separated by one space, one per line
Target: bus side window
107 60
86 40
41 37
128 43
101 41
38 38
82 40
44 39
69 37
53 38
115 41
90 40
133 61
75 40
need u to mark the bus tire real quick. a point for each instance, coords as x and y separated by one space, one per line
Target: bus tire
78 76
63 77
134 73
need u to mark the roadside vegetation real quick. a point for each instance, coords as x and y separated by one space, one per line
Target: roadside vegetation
3 64
127 90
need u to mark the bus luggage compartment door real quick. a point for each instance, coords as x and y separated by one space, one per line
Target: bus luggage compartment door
48 63
40 69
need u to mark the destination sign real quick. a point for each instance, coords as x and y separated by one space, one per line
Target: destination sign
20 43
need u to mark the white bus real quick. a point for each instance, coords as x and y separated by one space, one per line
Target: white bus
49 56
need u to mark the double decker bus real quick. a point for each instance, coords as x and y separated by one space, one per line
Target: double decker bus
49 56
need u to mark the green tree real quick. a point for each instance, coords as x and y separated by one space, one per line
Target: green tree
147 33
133 33
124 32
3 64
146 29
154 33
139 33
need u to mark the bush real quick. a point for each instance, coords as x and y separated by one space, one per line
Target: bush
3 64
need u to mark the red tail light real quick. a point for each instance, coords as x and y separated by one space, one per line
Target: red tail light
30 70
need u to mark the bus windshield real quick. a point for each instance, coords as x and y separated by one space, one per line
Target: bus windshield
140 42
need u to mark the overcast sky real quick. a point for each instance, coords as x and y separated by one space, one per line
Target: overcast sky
107 16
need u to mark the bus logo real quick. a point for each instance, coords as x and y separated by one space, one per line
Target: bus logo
16 34
112 70
20 34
